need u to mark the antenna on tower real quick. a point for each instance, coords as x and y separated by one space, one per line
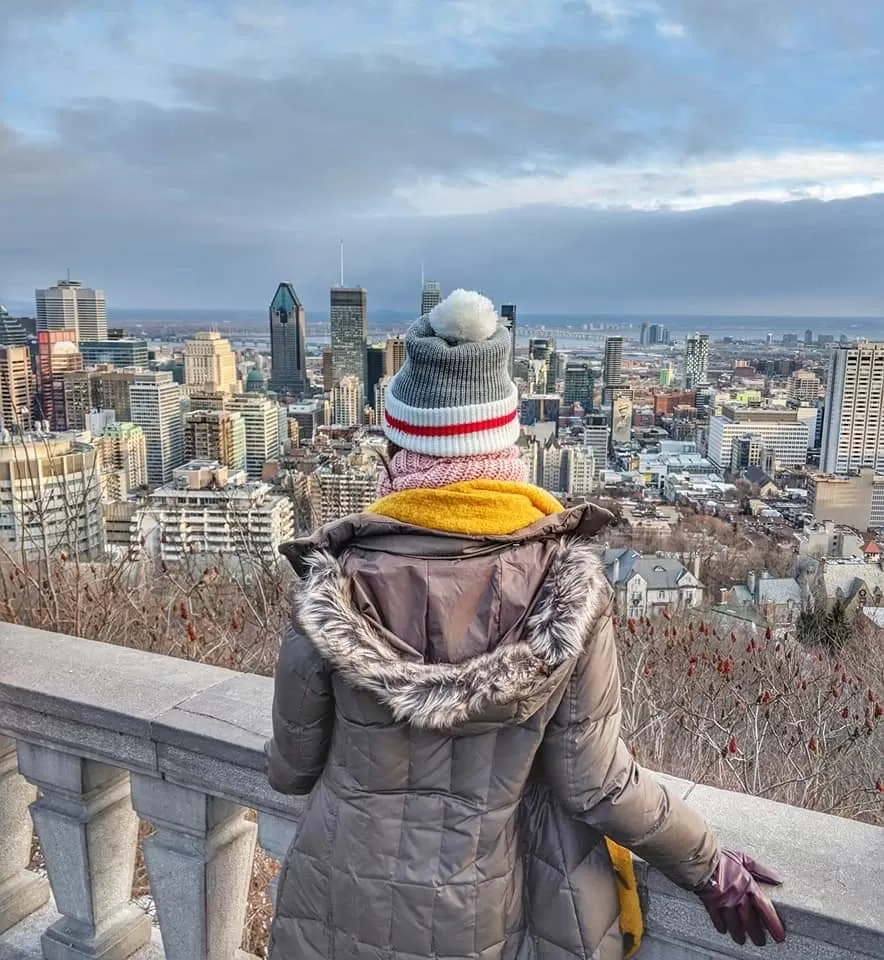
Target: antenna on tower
69 274
422 274
342 263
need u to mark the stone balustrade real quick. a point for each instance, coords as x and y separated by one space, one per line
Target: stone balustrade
94 737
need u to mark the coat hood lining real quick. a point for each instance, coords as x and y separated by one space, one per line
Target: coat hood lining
439 696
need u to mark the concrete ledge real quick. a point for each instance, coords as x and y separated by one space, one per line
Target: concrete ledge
204 727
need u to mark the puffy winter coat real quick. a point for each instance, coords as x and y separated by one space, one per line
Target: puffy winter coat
452 706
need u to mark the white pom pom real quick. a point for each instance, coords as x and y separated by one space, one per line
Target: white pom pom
464 315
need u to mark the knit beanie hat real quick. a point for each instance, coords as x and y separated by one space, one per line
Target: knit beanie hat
454 396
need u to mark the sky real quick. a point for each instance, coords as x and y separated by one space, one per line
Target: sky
611 156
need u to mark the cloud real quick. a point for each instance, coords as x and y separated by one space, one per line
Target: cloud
177 153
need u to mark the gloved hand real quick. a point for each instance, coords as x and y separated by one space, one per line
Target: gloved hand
737 904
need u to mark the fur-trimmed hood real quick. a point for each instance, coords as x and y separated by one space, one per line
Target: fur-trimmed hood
541 595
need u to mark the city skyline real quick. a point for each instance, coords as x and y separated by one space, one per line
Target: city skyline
658 159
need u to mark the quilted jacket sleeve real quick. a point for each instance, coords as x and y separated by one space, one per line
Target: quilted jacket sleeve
303 717
596 778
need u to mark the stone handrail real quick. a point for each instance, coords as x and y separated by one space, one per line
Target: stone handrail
104 735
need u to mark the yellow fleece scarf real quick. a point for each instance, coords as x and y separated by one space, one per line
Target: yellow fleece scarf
497 508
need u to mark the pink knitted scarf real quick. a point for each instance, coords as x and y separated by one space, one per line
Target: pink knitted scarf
411 471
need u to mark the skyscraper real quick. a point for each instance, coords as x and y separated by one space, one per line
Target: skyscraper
17 388
261 416
853 429
347 402
122 452
210 364
508 320
579 385
71 306
612 371
696 361
12 330
349 331
155 402
216 435
57 354
395 356
430 296
288 342
375 367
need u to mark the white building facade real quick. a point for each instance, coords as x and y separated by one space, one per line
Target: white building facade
71 306
853 427
207 509
155 402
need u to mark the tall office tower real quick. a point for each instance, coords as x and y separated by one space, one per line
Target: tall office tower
122 452
656 334
216 435
77 393
539 348
696 361
347 402
508 320
613 369
579 385
375 367
261 416
808 338
328 372
853 431
349 331
210 364
288 342
155 403
18 389
110 391
71 306
395 356
12 330
597 436
380 398
57 354
430 296
553 365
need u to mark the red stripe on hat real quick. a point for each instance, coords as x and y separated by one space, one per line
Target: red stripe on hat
452 429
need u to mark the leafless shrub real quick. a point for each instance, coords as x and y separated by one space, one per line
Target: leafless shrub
767 717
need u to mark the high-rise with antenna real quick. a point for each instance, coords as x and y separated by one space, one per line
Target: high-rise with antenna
431 294
348 316
71 306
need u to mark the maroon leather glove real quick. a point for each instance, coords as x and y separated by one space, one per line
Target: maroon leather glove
737 904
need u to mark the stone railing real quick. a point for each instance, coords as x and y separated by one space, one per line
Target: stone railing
93 736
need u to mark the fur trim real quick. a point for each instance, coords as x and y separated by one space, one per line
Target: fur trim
440 696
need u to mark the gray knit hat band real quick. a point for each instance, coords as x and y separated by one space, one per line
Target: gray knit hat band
440 374
454 396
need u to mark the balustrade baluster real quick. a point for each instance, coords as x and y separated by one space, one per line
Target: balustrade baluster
200 865
88 832
21 890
